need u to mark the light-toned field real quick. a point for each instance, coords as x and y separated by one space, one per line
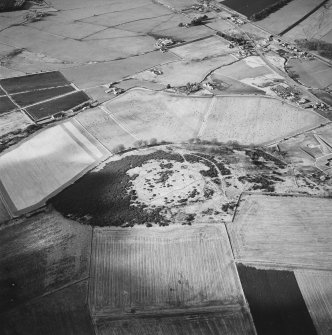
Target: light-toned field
317 26
232 322
150 270
13 121
182 72
63 312
249 67
105 129
287 15
41 254
102 73
312 73
268 118
49 159
205 48
147 114
316 289
283 231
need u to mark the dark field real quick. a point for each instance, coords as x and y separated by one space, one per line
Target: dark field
6 105
1 91
41 254
61 313
29 98
49 108
248 8
275 302
33 82
102 196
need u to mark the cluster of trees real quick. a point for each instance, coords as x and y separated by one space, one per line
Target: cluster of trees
323 48
138 144
6 5
268 10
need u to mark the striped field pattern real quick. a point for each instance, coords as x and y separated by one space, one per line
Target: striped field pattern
143 270
316 289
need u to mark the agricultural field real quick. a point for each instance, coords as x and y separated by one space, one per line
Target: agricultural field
286 16
316 26
275 301
316 289
181 72
39 255
269 120
6 105
311 73
202 49
62 312
230 322
203 274
46 109
290 231
4 215
169 185
44 159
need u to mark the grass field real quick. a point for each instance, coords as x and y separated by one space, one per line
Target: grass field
46 109
269 119
145 270
63 312
205 48
102 73
275 302
181 72
39 255
13 121
316 26
312 73
287 15
6 105
285 231
45 159
316 288
232 322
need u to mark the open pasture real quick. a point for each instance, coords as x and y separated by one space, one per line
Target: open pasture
50 159
63 312
316 26
147 114
283 18
316 289
181 72
39 255
48 108
206 48
150 270
288 231
105 129
275 302
269 119
229 322
311 73
102 73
